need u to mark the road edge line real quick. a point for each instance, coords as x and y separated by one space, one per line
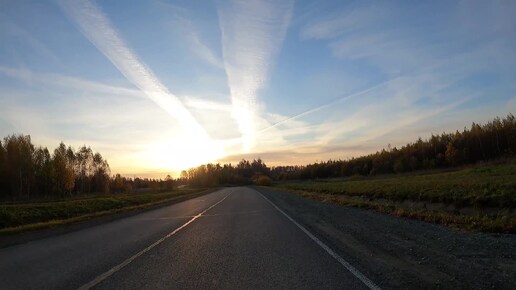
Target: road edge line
120 266
370 284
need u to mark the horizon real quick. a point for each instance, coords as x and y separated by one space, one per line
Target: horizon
158 87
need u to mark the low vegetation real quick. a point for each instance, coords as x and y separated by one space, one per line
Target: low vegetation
263 180
502 222
478 198
483 186
19 216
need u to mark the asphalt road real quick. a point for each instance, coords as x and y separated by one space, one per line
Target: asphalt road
230 239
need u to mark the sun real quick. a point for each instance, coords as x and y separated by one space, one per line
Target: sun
183 153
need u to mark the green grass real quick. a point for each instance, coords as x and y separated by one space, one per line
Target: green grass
492 187
16 217
487 186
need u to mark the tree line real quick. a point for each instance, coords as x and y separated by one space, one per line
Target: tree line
27 171
245 172
30 172
495 139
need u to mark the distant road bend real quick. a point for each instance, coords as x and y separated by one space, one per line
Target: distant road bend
234 238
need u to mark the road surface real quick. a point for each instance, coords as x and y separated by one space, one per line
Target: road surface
243 238
240 241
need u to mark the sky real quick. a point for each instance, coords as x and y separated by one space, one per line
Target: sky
159 86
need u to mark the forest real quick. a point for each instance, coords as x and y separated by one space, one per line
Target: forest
495 139
30 172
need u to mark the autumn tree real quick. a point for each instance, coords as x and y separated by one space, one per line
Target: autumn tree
19 165
4 181
43 172
63 170
101 172
84 169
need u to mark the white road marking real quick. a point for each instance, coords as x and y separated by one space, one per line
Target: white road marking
205 215
166 218
237 213
370 284
118 267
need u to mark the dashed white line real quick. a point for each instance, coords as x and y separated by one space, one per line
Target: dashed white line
370 284
118 267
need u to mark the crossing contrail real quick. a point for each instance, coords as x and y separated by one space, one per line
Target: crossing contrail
332 102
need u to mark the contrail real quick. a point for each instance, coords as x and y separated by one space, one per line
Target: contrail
382 131
333 102
97 28
252 34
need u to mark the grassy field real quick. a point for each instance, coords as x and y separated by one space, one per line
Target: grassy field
486 193
16 217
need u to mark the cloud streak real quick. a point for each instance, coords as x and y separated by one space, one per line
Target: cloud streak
198 46
344 22
252 34
97 28
68 82
328 104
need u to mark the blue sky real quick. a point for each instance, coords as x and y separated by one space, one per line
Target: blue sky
159 86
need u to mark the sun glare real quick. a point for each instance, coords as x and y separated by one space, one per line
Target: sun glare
183 153
245 118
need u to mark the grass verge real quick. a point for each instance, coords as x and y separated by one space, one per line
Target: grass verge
16 218
501 223
486 193
493 186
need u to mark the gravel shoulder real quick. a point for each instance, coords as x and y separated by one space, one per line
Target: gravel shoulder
399 253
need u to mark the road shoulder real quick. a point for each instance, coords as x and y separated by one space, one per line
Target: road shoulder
403 253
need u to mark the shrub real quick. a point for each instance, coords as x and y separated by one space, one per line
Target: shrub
263 180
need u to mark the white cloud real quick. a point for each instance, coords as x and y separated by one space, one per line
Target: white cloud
80 109
427 74
214 116
18 33
195 143
208 105
68 82
252 35
340 23
99 31
181 22
405 119
196 44
329 104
